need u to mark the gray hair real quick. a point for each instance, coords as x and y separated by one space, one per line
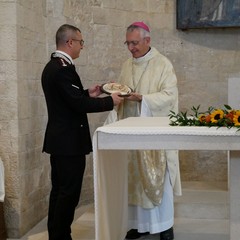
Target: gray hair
65 32
142 31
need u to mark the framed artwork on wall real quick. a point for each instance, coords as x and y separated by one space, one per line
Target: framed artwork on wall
208 14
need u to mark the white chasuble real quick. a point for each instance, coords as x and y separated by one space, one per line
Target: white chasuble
152 76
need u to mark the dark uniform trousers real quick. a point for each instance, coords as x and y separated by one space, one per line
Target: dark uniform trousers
65 194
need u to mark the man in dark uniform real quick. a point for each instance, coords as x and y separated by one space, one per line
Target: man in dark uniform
67 137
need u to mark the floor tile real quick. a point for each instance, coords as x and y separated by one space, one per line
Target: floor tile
184 228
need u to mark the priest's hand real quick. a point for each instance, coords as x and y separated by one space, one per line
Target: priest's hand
134 97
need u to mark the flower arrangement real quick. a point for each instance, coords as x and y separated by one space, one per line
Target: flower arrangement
226 117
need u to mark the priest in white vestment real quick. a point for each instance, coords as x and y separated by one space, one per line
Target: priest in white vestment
153 175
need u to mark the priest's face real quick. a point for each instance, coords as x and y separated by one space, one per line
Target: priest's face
137 44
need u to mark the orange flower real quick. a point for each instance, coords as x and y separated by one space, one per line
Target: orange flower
204 118
229 117
208 118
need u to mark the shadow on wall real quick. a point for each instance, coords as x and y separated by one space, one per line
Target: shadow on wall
219 39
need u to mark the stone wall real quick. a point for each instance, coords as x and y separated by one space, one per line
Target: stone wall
203 61
22 113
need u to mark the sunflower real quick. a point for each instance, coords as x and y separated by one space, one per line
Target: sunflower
213 117
202 118
216 115
236 118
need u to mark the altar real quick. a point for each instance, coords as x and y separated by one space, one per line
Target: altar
110 145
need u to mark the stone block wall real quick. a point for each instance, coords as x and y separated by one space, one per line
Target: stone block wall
23 114
203 61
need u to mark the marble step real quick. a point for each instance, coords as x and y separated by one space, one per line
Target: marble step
202 200
198 229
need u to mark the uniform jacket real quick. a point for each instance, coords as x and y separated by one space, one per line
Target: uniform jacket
67 131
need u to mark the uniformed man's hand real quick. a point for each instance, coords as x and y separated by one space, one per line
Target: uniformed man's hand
95 91
117 99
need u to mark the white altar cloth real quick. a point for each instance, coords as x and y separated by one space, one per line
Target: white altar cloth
110 143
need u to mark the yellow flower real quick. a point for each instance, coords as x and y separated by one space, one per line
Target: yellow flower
202 118
226 117
216 115
236 118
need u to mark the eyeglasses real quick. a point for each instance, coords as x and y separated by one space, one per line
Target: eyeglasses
134 43
80 41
